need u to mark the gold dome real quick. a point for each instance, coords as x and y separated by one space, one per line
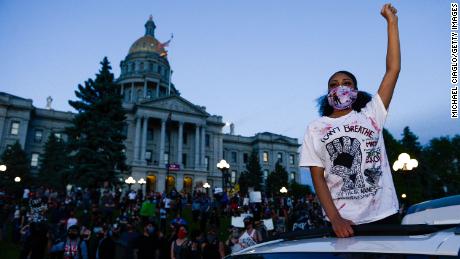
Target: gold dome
147 43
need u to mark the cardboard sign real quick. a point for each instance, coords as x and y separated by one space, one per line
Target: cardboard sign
245 201
255 197
237 222
218 190
269 224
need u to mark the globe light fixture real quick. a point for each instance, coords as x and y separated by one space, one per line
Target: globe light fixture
206 185
141 181
17 179
223 166
130 181
404 163
403 195
283 190
2 168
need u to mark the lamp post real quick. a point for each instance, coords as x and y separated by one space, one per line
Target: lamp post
130 181
283 190
223 167
405 164
206 186
141 182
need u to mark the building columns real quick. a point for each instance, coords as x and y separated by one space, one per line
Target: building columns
203 140
144 138
145 87
197 147
179 143
162 143
137 139
132 93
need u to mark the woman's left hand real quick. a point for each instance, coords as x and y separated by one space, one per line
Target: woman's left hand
389 12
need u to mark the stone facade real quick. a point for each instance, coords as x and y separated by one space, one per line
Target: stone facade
162 127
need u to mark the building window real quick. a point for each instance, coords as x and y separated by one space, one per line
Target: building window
38 135
291 159
150 134
206 162
14 128
280 157
159 69
207 140
234 157
245 158
185 138
184 159
142 66
265 174
292 176
224 153
148 155
233 177
34 160
166 157
58 135
265 157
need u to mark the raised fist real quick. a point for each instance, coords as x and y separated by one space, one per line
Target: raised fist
389 12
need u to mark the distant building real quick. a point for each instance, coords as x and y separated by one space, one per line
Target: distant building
162 126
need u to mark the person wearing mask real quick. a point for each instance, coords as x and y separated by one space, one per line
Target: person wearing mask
73 248
345 150
147 246
181 248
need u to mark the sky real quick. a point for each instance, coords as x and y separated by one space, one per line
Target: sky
259 64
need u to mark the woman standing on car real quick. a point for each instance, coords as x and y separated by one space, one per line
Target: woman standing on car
345 150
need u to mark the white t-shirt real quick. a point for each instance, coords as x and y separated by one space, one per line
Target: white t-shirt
132 196
352 152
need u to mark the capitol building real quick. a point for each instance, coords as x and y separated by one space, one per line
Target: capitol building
162 126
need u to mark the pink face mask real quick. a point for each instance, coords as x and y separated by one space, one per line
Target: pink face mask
342 97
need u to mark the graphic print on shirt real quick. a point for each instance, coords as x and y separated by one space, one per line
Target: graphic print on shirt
348 156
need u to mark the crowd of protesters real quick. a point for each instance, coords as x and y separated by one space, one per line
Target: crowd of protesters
108 223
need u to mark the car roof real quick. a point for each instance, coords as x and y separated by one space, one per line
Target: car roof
445 242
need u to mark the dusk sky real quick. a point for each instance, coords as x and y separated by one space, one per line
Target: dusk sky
259 64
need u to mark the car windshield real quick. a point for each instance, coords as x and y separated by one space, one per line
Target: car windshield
337 255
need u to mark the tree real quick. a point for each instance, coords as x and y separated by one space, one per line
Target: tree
441 158
254 172
17 164
243 182
54 164
277 179
96 137
298 190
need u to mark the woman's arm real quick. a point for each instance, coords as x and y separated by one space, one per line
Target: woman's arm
341 226
172 250
393 59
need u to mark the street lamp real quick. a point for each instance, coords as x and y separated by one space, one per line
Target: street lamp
130 181
283 190
141 182
206 187
223 167
17 179
404 163
2 168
